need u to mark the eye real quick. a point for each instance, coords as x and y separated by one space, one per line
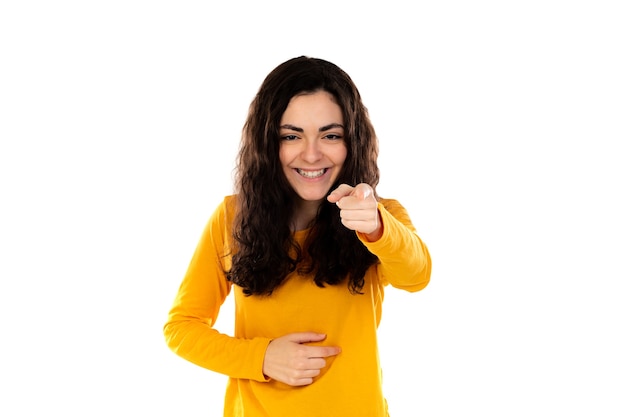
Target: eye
333 136
289 137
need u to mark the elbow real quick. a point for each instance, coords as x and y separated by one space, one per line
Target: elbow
423 277
173 334
168 334
419 280
417 285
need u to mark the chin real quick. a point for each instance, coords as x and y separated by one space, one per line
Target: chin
312 197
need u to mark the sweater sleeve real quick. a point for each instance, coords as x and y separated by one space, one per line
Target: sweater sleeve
404 259
189 328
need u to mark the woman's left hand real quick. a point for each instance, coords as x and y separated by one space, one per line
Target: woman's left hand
358 209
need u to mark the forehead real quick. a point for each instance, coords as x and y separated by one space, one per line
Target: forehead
313 105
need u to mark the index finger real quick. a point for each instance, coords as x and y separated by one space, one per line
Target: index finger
323 351
339 192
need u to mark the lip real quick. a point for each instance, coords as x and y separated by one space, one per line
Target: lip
311 174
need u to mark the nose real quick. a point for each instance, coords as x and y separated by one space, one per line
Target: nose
311 151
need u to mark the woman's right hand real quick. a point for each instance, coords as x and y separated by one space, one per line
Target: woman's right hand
289 360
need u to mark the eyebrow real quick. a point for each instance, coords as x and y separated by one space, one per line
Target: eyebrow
321 129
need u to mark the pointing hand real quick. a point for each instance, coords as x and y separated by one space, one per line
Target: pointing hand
358 209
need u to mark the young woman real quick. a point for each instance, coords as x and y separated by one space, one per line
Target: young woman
307 247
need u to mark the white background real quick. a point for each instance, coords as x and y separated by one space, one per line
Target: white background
501 128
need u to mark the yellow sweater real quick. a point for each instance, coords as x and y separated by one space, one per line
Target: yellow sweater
351 383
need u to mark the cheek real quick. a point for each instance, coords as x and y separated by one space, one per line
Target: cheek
341 155
283 156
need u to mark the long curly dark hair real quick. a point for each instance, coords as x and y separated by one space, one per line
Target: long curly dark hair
264 249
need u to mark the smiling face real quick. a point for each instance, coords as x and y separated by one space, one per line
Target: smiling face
312 146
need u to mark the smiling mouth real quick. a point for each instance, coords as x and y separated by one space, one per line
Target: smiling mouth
312 174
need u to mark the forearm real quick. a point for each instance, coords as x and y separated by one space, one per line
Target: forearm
404 259
204 346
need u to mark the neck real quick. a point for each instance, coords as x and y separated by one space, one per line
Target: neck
306 211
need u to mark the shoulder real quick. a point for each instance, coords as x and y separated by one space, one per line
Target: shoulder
229 203
224 213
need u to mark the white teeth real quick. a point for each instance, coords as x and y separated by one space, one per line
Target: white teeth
312 174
